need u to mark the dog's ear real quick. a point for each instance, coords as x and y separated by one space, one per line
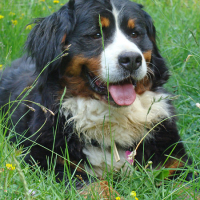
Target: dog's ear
46 41
157 64
71 4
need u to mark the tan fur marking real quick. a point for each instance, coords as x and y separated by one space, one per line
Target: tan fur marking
105 22
173 164
99 189
73 78
131 23
75 66
143 85
147 55
64 38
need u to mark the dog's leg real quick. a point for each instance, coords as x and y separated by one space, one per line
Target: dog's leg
164 149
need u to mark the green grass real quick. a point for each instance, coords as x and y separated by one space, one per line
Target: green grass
178 31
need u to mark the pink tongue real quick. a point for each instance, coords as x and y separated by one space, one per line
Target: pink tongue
123 95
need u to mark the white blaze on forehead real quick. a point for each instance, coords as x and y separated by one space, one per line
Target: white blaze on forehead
109 57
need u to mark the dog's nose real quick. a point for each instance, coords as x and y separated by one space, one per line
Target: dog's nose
130 61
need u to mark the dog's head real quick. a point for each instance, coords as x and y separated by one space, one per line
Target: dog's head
102 49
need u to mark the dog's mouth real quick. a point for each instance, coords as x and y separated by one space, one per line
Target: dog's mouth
118 94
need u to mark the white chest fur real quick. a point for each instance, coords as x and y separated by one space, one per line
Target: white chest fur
101 122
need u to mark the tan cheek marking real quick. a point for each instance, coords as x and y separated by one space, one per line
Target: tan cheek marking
75 66
76 84
143 85
105 22
147 55
131 23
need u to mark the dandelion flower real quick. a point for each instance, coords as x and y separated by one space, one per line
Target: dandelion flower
14 22
10 166
1 66
55 1
1 16
11 14
29 27
117 198
133 194
42 0
136 198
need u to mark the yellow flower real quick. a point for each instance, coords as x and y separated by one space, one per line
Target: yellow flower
43 8
1 66
42 0
133 194
136 198
10 167
1 16
11 13
49 7
55 1
117 198
14 22
62 4
29 27
22 14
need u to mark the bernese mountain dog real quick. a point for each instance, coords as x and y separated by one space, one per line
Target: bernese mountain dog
89 92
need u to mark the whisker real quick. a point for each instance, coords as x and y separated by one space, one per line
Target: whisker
155 67
95 79
96 70
149 70
149 76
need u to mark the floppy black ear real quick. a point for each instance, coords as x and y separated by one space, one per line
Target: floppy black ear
158 65
46 40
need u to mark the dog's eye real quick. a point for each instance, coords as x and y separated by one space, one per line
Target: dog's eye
96 36
134 34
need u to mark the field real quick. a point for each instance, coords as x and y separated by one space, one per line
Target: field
178 32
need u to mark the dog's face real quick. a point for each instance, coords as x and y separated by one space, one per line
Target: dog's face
110 53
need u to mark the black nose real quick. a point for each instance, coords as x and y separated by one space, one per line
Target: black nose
130 61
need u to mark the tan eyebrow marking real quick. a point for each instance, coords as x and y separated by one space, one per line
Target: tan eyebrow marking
131 23
105 22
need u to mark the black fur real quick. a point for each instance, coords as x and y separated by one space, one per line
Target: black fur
45 126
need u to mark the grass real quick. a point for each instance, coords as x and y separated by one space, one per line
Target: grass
178 32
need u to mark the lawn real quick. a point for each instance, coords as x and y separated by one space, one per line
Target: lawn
178 32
